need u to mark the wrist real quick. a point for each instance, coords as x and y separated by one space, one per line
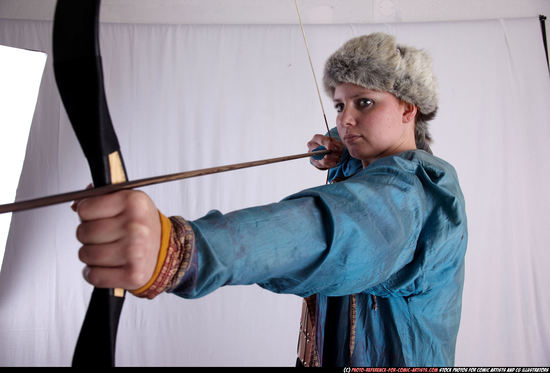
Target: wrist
175 257
166 228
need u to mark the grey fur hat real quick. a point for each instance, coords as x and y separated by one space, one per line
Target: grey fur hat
376 62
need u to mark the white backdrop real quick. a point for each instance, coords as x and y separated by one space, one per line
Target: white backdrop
186 97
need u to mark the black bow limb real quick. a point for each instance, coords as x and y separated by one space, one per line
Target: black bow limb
79 76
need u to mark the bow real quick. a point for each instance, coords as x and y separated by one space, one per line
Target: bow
79 76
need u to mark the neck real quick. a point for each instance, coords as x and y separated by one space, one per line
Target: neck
408 143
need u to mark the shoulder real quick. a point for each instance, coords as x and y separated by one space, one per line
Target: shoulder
418 174
419 164
411 160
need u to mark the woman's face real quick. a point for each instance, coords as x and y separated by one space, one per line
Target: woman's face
373 124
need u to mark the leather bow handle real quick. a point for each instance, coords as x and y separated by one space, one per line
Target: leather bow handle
79 76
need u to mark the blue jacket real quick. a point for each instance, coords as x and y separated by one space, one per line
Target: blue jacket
394 234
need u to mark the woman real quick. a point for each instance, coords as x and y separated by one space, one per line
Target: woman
378 256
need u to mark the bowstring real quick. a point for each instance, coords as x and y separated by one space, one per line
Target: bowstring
312 68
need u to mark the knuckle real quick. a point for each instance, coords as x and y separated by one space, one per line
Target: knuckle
83 254
136 278
135 197
80 233
136 232
93 277
82 209
137 204
135 251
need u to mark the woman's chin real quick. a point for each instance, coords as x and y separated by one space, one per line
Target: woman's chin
361 155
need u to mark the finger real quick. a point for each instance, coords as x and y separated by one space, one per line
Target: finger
75 204
114 277
101 207
131 249
333 157
329 161
329 143
104 255
94 232
320 164
318 157
335 145
316 141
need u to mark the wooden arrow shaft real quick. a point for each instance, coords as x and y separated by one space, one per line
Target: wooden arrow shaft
86 193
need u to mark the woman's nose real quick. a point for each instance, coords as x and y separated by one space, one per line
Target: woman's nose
347 116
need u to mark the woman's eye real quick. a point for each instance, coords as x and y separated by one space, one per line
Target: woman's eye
339 107
365 102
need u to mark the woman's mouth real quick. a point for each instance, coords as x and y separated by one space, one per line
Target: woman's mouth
350 139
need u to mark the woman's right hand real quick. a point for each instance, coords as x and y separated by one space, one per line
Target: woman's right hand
330 143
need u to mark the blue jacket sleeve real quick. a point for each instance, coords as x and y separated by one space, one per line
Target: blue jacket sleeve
335 239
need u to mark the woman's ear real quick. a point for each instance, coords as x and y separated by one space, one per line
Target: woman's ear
409 112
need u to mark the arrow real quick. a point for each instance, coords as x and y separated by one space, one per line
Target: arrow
111 188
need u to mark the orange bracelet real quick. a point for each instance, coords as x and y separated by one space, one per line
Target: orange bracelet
166 227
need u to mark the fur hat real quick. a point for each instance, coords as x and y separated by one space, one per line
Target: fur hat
376 62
